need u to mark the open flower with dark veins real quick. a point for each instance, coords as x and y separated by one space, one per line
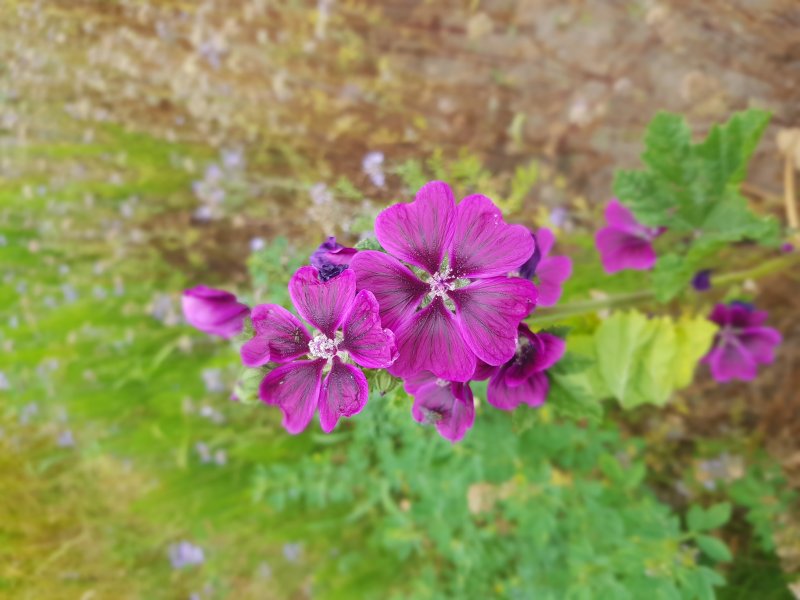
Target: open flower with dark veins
447 405
742 342
523 379
315 372
455 303
625 243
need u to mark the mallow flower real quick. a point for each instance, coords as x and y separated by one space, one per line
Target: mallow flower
548 272
213 311
625 243
316 372
741 343
331 258
458 304
446 404
522 380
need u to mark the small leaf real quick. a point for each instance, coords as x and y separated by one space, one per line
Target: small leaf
715 548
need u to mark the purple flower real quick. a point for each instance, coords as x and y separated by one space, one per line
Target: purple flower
550 271
625 243
459 311
522 380
185 554
350 327
215 312
702 280
742 343
448 405
331 258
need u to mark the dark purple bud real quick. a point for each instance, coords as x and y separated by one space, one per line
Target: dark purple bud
213 311
528 270
331 258
702 280
742 304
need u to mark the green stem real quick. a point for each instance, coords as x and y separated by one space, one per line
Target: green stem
584 307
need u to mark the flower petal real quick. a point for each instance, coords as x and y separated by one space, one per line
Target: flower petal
279 337
324 304
535 352
214 311
533 391
369 344
730 360
450 406
546 239
398 291
483 371
414 382
344 394
484 244
420 232
620 216
431 341
488 312
621 250
295 389
760 342
553 272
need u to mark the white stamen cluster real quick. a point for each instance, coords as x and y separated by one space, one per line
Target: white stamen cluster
440 284
323 347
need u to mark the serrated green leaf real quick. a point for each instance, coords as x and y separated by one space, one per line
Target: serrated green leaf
694 336
714 548
671 275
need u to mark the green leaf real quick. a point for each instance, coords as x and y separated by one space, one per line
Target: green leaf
700 519
693 338
671 275
369 244
715 548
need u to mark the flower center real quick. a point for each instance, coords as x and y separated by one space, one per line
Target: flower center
440 284
323 347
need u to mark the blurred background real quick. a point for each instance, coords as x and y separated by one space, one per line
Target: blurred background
147 146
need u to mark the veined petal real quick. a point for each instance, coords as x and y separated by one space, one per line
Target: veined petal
761 342
414 382
533 391
483 371
397 290
369 344
731 360
431 341
488 312
324 304
295 389
279 337
484 245
420 232
449 406
214 311
344 394
553 272
621 250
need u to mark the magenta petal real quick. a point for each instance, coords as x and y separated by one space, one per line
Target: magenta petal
761 342
414 382
295 389
398 291
730 360
213 311
488 312
369 344
449 405
279 337
483 371
344 394
533 391
546 240
620 250
431 341
324 304
420 232
552 272
619 216
484 244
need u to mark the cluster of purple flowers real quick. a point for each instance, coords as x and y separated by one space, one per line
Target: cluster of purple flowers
443 305
742 342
